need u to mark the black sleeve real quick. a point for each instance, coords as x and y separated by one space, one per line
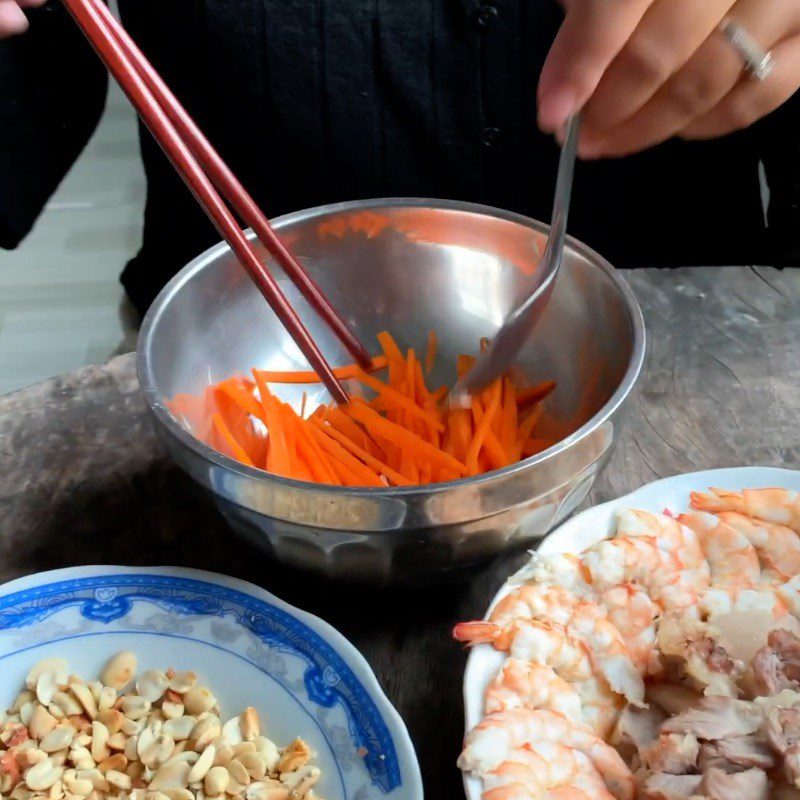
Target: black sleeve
52 93
780 153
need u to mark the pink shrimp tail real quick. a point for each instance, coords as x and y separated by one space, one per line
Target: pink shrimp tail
478 632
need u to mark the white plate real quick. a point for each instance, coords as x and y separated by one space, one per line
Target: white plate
250 648
591 526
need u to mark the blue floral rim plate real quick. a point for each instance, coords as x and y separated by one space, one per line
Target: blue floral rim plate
247 646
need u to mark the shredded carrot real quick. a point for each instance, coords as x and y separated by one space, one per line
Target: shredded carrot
342 373
534 446
483 429
395 431
240 391
529 423
227 441
534 394
402 437
399 400
363 455
495 452
366 475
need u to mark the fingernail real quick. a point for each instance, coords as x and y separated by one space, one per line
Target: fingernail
555 107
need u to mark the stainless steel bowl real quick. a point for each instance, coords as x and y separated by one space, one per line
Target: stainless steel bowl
408 266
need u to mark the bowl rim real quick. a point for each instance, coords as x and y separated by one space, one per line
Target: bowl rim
164 416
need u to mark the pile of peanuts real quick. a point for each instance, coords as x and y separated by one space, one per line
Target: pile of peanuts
158 737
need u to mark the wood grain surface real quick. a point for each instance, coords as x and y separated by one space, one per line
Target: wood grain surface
83 480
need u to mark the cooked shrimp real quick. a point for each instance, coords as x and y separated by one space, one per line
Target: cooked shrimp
545 771
789 592
526 684
730 553
773 505
718 600
545 643
778 545
584 617
600 706
536 601
495 738
584 627
607 649
625 559
640 559
558 569
671 536
634 615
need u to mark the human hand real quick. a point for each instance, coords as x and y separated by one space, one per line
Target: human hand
646 70
12 18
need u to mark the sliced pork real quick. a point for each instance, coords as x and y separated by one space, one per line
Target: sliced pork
737 753
717 718
776 666
662 786
752 784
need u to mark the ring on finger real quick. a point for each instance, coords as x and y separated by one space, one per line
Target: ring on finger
758 63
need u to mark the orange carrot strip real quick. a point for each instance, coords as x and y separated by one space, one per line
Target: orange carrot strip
354 432
430 353
313 454
421 393
402 437
278 454
393 354
437 396
241 392
400 400
533 446
534 394
308 376
345 476
498 458
464 364
483 428
239 422
363 455
528 424
460 426
234 449
509 417
367 476
191 410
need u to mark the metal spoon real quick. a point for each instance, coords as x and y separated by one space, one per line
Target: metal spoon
515 331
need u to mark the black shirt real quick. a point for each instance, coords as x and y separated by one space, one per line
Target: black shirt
315 101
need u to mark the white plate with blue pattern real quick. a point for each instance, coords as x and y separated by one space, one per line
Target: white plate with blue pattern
304 678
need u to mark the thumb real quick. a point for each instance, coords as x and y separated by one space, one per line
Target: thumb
12 20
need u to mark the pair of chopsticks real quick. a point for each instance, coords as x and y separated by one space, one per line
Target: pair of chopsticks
207 175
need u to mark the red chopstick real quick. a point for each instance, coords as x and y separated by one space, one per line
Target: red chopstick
227 183
158 121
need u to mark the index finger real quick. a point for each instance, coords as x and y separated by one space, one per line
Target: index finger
592 34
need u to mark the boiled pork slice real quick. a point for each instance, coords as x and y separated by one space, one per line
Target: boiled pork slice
752 784
717 717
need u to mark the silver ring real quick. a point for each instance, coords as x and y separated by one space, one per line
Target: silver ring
758 63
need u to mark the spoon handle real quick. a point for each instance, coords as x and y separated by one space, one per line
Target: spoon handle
503 349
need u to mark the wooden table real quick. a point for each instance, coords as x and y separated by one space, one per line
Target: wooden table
84 480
